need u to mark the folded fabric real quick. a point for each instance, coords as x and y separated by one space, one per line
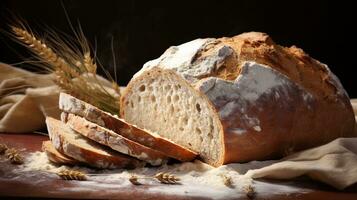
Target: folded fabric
334 163
25 98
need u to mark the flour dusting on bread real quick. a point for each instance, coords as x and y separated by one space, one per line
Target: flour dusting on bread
182 59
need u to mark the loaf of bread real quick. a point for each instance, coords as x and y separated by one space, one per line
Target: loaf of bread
239 99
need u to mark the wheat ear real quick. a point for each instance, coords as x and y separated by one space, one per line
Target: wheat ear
89 63
14 156
72 175
45 53
167 178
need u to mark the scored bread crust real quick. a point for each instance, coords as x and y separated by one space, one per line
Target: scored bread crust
95 155
271 100
56 157
113 140
93 114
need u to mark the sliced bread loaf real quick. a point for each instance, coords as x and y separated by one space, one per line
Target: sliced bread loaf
113 140
76 106
239 99
74 145
56 157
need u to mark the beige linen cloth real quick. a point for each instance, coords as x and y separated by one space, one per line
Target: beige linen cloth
334 163
26 98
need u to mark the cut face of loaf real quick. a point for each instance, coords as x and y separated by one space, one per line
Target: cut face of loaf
164 103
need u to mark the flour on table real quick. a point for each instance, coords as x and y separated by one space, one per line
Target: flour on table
197 178
37 161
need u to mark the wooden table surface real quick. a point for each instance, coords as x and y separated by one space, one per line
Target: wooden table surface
44 185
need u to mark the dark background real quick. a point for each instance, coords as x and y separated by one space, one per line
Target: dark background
143 30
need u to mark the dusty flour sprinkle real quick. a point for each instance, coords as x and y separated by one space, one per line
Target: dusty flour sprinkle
190 171
197 179
38 161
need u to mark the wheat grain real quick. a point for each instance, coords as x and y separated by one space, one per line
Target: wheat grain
134 180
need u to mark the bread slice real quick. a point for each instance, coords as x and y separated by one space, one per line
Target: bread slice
74 145
56 157
113 140
76 106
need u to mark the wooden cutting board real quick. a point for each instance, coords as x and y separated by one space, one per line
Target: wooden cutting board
47 185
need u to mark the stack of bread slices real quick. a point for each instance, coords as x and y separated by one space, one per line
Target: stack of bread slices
87 135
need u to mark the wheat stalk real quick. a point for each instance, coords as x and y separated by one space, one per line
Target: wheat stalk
3 148
68 63
72 175
14 156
